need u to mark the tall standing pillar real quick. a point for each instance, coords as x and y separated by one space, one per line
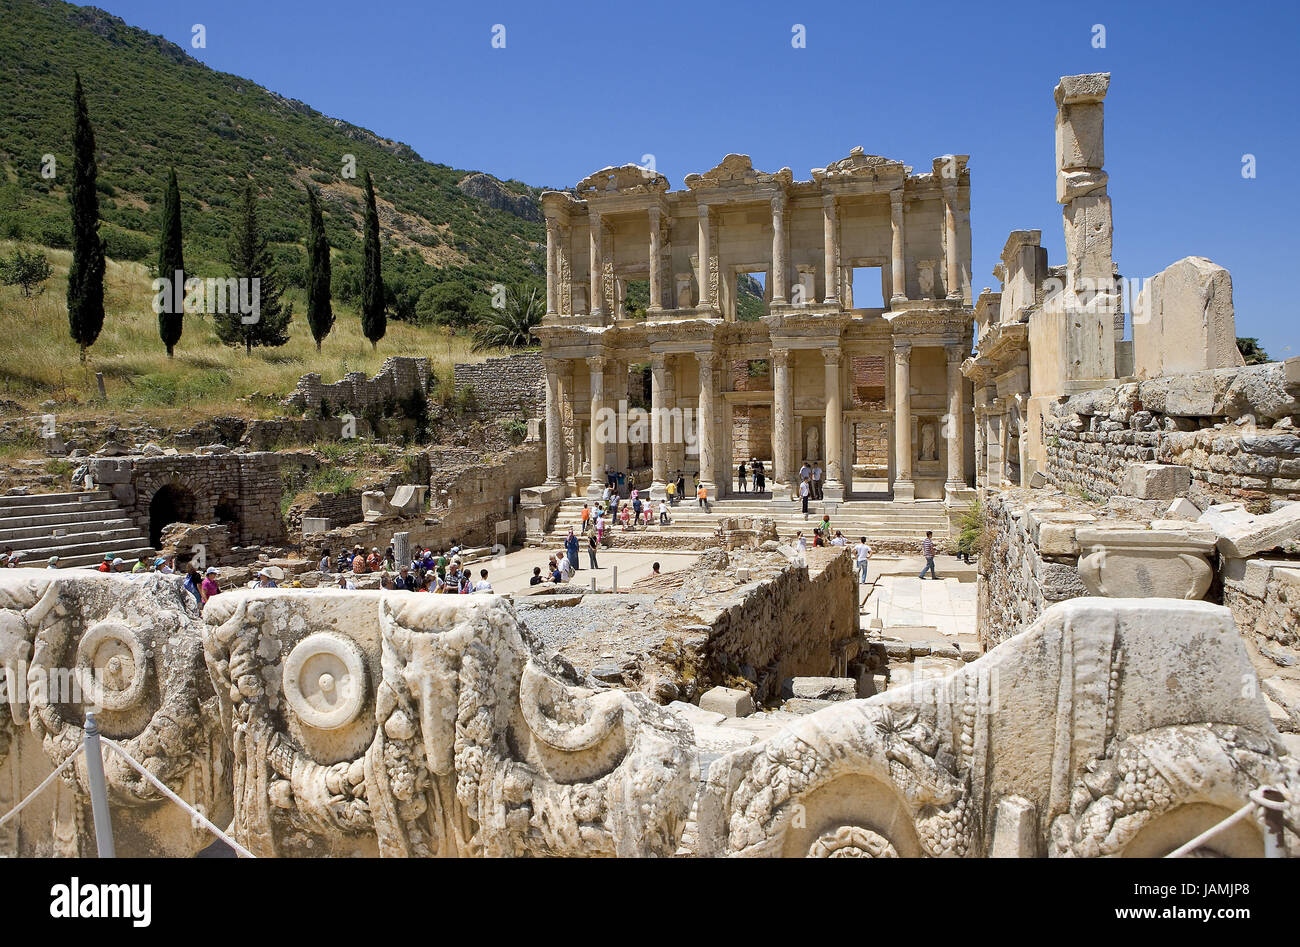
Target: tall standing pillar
897 268
956 419
995 452
952 263
904 488
704 425
660 428
597 245
708 286
832 238
833 487
552 264
656 267
782 416
778 250
596 366
554 426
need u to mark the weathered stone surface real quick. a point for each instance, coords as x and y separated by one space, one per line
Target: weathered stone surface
820 688
1117 767
1243 534
1168 562
1183 321
696 716
1157 481
805 705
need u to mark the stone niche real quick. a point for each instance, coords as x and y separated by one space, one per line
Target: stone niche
1054 743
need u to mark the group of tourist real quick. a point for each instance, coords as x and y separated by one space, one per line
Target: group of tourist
429 570
755 470
810 484
166 565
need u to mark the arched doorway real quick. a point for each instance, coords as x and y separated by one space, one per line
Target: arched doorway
171 504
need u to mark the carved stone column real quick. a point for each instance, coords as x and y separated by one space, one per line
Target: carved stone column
956 418
995 452
596 365
656 263
597 264
833 487
554 426
952 262
552 264
897 267
832 237
704 424
904 488
708 286
660 429
778 250
782 415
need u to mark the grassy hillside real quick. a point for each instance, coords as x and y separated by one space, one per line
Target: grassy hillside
153 106
206 378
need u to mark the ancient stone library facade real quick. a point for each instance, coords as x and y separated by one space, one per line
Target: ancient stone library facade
855 362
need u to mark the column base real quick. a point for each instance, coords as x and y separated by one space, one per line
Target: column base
710 489
596 489
781 492
658 490
896 300
833 491
904 491
957 494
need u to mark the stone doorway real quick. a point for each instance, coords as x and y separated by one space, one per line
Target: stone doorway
171 504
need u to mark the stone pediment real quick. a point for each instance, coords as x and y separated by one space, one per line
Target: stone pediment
737 171
625 179
856 166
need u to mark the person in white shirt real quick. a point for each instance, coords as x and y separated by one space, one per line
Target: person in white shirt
663 513
345 581
862 553
566 569
839 539
801 545
483 585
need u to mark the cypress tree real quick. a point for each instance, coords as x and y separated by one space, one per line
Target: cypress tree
320 314
373 321
249 256
86 274
171 266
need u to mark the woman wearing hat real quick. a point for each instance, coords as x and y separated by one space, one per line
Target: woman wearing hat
209 587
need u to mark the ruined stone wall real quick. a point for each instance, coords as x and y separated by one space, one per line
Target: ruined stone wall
1017 582
516 383
399 377
1264 595
751 433
871 443
789 626
341 509
240 489
1234 428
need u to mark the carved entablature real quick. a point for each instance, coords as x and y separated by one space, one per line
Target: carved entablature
860 168
625 180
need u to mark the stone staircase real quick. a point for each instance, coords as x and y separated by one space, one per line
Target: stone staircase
878 520
79 528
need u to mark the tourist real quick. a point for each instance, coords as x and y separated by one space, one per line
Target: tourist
344 562
439 564
52 562
600 527
15 561
636 509
454 551
565 569
622 481
631 482
6 556
374 561
804 491
741 474
670 491
194 584
165 564
537 576
359 564
681 484
760 475
647 516
390 560
209 587
839 539
805 472
586 518
664 519
654 570
141 565
571 549
702 495
605 495
625 516
817 479
825 524
927 550
386 582
119 564
405 580
105 566
818 538
556 577
263 580
345 581
801 544
862 555
591 552
483 585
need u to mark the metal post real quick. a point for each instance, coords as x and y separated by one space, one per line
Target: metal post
98 791
615 586
1274 834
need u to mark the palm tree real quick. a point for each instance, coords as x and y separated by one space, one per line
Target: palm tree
512 325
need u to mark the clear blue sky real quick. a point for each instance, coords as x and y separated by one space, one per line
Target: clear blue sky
1194 87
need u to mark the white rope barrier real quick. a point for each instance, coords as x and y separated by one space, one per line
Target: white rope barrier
1258 802
194 813
42 787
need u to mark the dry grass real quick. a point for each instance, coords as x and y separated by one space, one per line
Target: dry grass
40 362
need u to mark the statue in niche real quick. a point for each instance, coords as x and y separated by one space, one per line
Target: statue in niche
929 449
813 442
925 276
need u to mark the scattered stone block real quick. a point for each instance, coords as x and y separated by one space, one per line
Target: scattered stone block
1157 481
945 649
1014 828
820 688
312 525
1183 508
728 701
805 705
695 716
898 650
1243 534
723 739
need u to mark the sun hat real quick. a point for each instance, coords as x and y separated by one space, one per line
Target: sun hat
212 570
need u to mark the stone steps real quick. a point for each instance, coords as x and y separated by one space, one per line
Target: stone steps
89 525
